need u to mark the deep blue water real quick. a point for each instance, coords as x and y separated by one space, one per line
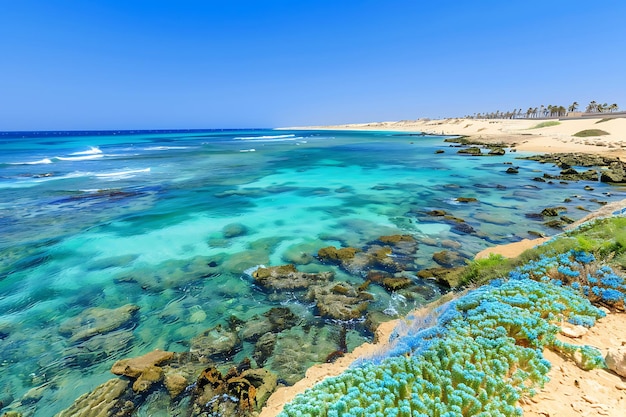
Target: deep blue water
172 222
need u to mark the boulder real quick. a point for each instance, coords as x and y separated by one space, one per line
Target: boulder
144 369
392 284
332 254
472 150
512 170
616 360
496 152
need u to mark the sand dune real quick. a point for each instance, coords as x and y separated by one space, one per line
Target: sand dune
523 133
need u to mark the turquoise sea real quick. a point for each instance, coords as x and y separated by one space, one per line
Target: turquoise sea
172 224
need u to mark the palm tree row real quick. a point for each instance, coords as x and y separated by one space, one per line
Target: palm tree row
546 111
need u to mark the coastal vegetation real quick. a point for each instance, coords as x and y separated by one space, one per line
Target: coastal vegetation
485 351
590 132
544 111
546 124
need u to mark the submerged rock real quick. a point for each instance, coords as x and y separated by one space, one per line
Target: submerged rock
448 259
97 320
275 320
288 277
107 400
215 342
340 301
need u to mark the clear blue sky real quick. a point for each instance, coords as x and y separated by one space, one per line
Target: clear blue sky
125 64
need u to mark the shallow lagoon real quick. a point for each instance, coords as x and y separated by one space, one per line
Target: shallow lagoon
171 222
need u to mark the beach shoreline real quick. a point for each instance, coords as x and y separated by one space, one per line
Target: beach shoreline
570 389
556 135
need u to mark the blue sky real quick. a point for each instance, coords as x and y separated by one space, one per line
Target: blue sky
140 64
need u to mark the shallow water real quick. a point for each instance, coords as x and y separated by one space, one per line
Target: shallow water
171 222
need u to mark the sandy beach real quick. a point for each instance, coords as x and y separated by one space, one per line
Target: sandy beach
570 391
521 133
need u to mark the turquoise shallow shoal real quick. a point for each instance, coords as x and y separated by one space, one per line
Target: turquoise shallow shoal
106 219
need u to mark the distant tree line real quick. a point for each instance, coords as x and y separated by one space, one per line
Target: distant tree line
546 111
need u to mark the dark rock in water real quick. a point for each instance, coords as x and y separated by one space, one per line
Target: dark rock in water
264 348
377 276
581 208
567 200
536 234
395 239
439 151
109 399
569 171
473 150
462 228
567 220
555 224
275 320
497 152
588 188
448 259
437 213
145 370
449 277
552 211
595 200
392 284
534 216
97 320
467 200
340 301
288 277
332 254
239 392
215 342
234 230
539 179
512 170
614 169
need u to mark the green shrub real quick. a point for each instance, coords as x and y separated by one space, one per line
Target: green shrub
590 132
546 124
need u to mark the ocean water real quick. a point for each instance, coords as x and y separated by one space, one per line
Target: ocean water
173 222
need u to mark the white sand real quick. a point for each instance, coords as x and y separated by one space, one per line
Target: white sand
521 132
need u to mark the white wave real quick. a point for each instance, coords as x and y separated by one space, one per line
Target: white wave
93 150
121 174
79 158
290 137
164 148
41 161
252 269
247 150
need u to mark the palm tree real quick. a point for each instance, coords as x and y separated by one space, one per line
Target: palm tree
592 107
613 107
542 110
561 111
529 112
601 107
573 107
